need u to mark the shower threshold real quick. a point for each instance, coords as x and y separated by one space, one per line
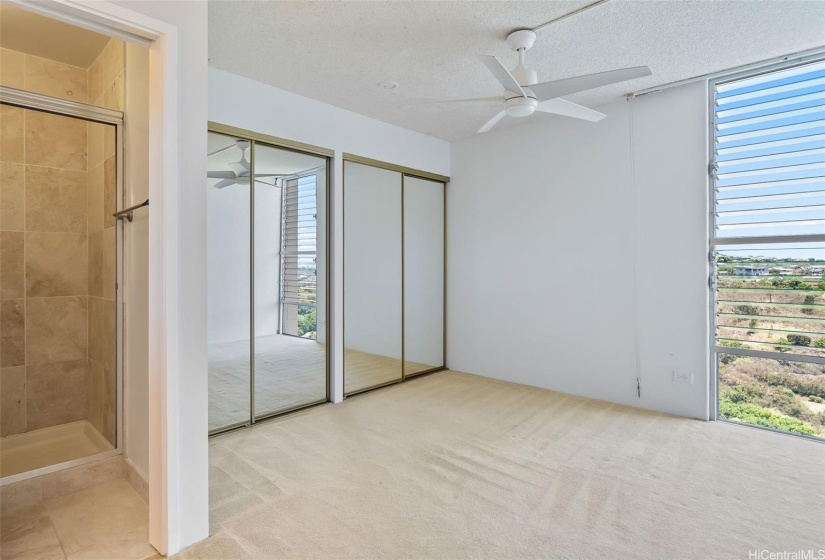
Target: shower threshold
21 453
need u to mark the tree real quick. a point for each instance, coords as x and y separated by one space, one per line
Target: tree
307 323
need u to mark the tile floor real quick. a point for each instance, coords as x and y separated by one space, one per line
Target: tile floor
108 521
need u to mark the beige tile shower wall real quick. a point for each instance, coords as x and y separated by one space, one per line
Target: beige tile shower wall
105 88
57 248
39 75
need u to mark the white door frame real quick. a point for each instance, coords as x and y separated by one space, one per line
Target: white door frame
162 40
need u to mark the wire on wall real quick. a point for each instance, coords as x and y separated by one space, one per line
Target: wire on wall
569 15
631 102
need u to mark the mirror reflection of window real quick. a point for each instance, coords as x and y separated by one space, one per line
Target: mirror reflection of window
290 280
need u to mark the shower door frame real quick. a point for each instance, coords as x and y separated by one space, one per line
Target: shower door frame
89 113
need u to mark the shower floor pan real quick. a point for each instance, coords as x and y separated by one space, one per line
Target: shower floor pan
49 446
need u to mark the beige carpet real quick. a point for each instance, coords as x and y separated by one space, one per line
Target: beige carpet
458 466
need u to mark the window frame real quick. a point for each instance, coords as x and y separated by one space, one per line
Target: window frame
284 253
713 241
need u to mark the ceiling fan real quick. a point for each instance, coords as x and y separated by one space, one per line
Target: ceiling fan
523 95
239 170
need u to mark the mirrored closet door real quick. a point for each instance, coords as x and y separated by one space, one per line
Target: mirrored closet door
372 277
267 296
393 275
290 312
423 275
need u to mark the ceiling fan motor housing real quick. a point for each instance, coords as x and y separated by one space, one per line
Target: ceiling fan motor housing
524 76
519 106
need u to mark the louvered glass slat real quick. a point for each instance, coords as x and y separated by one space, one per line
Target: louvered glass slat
777 93
773 198
299 264
770 108
771 297
773 121
769 148
769 135
772 175
756 163
775 79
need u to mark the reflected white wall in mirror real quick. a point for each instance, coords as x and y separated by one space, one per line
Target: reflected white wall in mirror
423 275
372 276
228 285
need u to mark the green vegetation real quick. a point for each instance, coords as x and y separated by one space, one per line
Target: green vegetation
784 341
747 310
730 358
773 393
752 414
307 322
799 339
783 283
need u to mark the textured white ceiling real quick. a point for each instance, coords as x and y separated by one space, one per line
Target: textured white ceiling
338 52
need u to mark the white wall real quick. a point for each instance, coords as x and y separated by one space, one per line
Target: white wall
241 102
577 253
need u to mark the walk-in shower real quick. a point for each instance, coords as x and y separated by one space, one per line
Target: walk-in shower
59 263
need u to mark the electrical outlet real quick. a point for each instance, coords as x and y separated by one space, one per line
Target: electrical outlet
683 378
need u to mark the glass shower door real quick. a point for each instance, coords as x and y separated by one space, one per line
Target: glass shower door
58 297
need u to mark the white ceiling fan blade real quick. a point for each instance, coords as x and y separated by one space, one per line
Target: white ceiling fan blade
568 109
559 88
497 99
503 75
225 183
220 174
492 122
239 167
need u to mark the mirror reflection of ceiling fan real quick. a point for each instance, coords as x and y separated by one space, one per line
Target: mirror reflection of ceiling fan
239 170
